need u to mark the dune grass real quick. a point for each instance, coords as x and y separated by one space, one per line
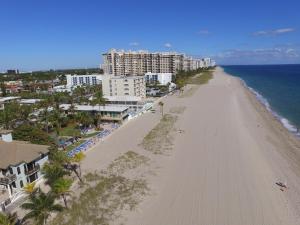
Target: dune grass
177 109
160 139
104 195
130 160
202 78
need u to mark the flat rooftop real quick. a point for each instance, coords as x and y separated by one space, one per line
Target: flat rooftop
107 108
127 77
123 98
85 75
4 99
30 101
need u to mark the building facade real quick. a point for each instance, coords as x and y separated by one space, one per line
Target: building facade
74 81
120 63
137 63
107 112
124 86
20 164
160 78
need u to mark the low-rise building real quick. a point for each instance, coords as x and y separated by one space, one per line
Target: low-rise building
108 113
132 102
20 164
124 86
60 88
30 101
74 81
12 87
5 100
160 78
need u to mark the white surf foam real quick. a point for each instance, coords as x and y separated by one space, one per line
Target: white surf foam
284 121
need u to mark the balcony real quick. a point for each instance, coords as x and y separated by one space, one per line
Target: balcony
33 170
8 179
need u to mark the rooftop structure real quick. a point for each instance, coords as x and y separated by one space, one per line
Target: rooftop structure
16 152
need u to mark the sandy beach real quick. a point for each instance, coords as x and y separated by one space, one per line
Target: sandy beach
226 154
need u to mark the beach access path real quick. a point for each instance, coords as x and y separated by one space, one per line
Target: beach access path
223 166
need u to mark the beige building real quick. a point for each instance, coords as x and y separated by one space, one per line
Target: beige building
120 63
124 86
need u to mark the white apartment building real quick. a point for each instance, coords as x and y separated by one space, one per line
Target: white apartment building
161 78
74 81
208 62
124 86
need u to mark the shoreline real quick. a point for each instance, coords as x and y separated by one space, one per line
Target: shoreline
290 154
290 127
229 164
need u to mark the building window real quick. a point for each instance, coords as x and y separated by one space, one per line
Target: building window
13 184
94 81
10 170
80 80
21 184
75 80
18 169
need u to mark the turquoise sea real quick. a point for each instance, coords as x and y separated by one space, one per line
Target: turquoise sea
277 87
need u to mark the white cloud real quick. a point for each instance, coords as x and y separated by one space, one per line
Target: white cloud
276 54
134 44
284 30
168 45
203 32
274 32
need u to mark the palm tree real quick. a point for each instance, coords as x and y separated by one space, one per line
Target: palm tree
30 188
24 112
161 104
71 110
62 187
40 207
78 159
45 104
52 172
84 119
10 114
8 219
59 157
99 100
57 119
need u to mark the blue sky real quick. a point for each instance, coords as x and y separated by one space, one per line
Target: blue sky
56 34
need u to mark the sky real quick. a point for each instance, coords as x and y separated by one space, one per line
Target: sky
58 34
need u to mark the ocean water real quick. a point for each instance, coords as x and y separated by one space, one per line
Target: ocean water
275 86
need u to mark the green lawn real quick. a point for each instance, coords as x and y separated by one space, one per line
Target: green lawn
70 147
90 135
70 131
